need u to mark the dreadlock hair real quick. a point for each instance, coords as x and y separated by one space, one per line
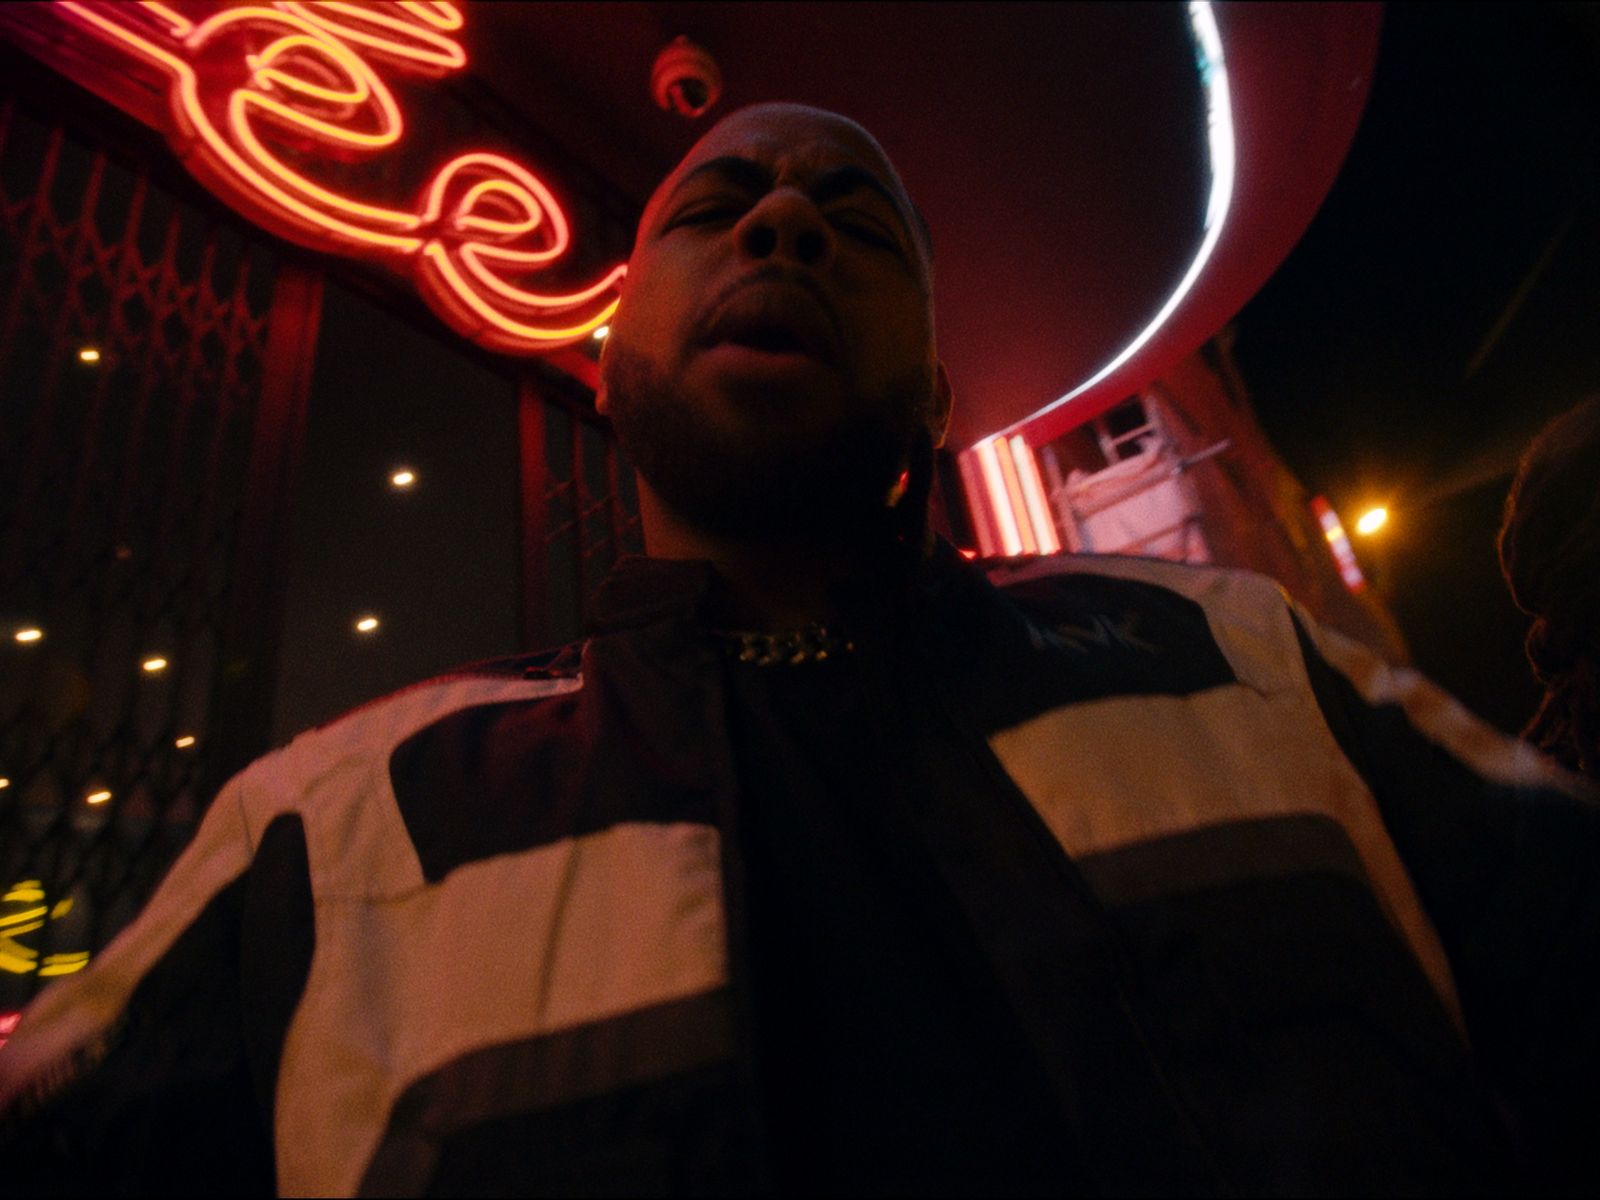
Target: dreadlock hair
1549 548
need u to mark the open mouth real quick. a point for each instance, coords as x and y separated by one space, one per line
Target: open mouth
771 339
774 319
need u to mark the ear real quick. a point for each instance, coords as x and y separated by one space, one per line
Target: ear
943 401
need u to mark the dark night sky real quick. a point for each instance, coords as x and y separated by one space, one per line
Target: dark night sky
1440 309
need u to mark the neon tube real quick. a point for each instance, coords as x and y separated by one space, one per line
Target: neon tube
972 485
484 223
999 502
1044 529
1019 510
1223 150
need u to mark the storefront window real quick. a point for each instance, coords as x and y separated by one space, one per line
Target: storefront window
432 560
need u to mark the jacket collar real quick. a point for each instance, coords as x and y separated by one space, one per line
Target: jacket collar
642 591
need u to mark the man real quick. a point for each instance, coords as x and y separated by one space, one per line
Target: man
824 865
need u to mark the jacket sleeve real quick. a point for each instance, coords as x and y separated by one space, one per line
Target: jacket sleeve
138 1074
1504 849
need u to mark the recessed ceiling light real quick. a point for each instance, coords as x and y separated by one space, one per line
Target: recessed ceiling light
367 624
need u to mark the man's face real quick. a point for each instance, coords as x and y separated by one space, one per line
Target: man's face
772 360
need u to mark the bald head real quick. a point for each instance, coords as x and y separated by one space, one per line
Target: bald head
772 360
793 125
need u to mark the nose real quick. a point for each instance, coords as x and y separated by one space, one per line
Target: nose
786 225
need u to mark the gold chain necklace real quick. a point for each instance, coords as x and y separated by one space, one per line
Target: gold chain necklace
814 643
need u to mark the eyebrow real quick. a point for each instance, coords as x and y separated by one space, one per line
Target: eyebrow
749 175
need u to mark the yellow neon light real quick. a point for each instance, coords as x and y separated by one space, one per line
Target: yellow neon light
507 222
18 958
32 914
64 964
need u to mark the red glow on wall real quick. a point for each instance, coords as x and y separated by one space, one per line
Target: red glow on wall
250 81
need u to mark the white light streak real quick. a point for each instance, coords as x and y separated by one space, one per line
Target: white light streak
999 502
1220 140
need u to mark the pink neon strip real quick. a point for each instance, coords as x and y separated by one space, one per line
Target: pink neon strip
999 502
1044 529
1019 510
972 486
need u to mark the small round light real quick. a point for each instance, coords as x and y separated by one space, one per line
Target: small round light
4 782
1371 521
601 333
29 635
366 624
185 741
89 355
155 664
403 478
99 797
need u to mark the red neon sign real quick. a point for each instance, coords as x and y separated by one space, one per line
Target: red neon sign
251 81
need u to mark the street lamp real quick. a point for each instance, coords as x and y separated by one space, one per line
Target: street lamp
1372 520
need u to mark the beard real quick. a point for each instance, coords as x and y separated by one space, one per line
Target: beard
762 482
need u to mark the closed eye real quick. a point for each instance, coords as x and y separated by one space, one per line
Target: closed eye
866 233
706 215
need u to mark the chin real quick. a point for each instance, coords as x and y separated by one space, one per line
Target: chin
775 457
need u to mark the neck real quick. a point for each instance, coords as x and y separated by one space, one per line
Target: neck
775 585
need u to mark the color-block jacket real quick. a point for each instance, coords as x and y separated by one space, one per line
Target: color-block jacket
1275 917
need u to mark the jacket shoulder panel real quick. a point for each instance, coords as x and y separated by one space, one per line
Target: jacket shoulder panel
337 775
1248 614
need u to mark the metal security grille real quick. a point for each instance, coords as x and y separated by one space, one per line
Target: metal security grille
580 512
133 333
156 357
